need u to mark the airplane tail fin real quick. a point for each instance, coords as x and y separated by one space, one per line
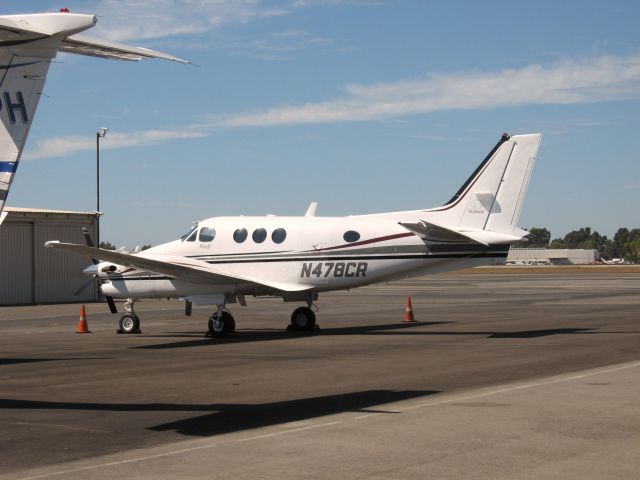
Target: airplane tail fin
491 199
28 43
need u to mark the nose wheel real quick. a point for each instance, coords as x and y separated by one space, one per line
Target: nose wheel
129 322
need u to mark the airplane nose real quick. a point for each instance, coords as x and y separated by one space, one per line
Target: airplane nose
91 270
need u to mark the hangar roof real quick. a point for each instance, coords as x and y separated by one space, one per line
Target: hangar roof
45 211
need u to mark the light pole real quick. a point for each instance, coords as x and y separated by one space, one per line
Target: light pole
99 134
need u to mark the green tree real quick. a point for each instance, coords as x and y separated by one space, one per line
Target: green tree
632 251
107 246
582 238
538 238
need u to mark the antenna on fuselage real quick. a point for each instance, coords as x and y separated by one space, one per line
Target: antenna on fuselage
311 211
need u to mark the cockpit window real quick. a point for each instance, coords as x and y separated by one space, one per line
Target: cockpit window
206 234
191 230
192 237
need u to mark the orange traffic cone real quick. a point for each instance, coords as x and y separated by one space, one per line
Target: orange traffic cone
408 316
83 327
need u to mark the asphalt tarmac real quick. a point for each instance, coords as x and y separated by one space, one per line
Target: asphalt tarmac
502 376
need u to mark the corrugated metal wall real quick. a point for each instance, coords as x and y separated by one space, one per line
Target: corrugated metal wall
30 273
16 263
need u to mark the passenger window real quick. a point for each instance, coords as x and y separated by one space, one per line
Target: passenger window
351 236
278 235
192 237
240 235
259 235
207 234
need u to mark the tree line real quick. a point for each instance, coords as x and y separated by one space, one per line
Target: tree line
111 246
624 244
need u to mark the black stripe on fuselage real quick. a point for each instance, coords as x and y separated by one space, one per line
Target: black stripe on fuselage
406 249
328 258
315 258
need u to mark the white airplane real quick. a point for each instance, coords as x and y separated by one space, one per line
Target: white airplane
28 44
223 260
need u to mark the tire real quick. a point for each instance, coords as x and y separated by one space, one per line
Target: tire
303 318
228 325
129 323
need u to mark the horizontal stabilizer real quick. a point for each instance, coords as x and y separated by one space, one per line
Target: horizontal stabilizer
113 51
430 232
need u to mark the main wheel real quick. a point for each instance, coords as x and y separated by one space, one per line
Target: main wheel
303 318
225 325
129 323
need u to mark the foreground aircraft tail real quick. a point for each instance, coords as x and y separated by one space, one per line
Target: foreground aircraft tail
28 43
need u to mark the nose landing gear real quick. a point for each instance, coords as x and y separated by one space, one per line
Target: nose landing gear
129 322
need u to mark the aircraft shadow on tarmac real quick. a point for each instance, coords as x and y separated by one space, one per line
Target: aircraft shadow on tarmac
261 335
249 335
14 361
226 418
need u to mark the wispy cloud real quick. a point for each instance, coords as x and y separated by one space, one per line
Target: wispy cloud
122 20
70 144
566 82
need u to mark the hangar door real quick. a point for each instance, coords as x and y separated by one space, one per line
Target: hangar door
30 273
16 263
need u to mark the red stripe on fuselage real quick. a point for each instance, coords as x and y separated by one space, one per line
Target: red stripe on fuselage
367 242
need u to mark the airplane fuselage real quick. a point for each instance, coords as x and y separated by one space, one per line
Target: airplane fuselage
319 253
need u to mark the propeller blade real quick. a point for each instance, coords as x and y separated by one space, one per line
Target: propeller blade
89 241
84 286
87 238
112 305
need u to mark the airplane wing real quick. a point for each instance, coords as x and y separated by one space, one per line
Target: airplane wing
114 51
182 268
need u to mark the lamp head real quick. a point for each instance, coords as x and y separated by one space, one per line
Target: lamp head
103 131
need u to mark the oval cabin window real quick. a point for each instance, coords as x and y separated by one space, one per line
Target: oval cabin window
278 235
351 236
240 235
259 235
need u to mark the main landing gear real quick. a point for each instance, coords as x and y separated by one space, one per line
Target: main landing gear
129 322
303 319
221 323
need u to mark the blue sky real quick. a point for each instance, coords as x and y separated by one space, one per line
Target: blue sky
362 106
